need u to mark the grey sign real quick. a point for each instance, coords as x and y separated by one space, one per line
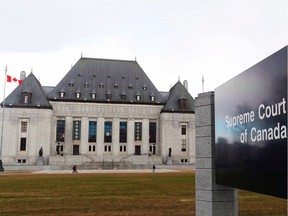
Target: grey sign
251 128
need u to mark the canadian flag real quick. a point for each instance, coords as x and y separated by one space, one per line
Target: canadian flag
13 79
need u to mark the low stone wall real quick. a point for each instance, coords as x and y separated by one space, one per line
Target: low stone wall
27 167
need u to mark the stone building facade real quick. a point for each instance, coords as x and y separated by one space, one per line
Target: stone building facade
102 111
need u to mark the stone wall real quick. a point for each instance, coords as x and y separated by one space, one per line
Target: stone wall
41 132
211 199
37 135
170 137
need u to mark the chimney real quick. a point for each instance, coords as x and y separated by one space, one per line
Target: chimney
22 75
185 83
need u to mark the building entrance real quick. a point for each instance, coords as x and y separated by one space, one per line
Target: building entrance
76 150
137 150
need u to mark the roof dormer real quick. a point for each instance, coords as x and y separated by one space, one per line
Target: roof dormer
26 97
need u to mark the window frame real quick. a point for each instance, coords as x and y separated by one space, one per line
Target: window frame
23 144
183 145
152 132
123 129
24 126
92 132
60 130
108 131
183 129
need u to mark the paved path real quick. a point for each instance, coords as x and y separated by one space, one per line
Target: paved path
105 171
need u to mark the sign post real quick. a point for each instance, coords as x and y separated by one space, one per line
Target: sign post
211 198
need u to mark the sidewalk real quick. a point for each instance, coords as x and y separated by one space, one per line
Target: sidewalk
104 171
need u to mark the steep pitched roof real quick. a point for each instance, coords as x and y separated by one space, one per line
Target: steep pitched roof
104 80
179 100
31 88
47 89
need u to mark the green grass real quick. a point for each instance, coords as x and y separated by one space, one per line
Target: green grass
258 204
97 194
114 194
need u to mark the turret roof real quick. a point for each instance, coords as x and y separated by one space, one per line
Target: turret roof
32 89
179 100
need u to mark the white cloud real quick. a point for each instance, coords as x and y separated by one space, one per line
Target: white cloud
171 39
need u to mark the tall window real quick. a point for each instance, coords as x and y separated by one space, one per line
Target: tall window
76 130
23 126
23 144
60 131
138 131
152 132
108 131
123 132
183 129
92 131
183 145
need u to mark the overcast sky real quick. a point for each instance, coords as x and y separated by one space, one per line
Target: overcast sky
171 39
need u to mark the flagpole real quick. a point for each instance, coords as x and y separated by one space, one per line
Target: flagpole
202 83
3 107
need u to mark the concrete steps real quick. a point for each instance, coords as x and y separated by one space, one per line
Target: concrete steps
110 165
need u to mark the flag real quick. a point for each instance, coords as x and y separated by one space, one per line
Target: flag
13 79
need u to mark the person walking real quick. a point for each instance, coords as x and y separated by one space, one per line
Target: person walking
74 169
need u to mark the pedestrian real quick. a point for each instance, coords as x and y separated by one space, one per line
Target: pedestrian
74 169
153 167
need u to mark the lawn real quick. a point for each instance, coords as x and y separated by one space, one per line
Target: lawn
114 194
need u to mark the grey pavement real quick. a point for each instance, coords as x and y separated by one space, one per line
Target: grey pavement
105 171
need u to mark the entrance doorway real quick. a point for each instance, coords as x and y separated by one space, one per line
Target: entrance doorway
76 150
137 150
